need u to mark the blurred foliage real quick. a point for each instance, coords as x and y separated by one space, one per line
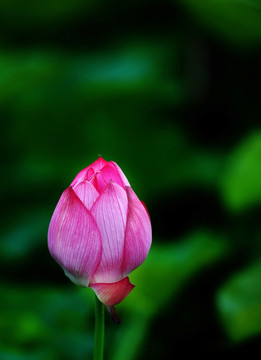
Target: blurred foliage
242 179
161 278
168 90
43 323
235 20
239 303
61 320
31 13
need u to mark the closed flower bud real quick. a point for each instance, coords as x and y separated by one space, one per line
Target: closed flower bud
100 231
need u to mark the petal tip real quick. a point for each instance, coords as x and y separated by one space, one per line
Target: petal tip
111 294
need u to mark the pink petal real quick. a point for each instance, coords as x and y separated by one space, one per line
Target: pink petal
74 239
121 174
110 173
90 173
99 182
99 164
138 234
84 174
80 176
110 213
113 293
86 192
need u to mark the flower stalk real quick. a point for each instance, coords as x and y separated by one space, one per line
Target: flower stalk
99 330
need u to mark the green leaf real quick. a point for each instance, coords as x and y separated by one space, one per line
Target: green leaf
239 304
241 180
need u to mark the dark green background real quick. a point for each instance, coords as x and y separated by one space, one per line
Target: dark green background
170 90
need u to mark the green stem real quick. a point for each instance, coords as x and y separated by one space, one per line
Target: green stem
99 330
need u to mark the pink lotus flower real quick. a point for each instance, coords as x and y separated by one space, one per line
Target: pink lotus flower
100 231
